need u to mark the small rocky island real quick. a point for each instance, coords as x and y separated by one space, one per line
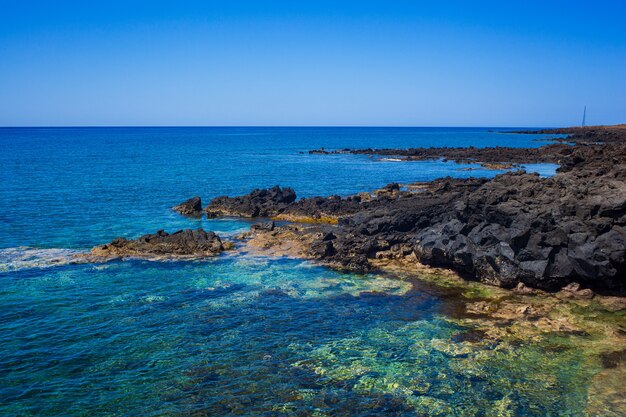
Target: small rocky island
183 243
514 230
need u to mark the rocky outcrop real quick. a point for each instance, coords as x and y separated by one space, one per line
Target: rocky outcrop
191 207
502 157
498 157
516 228
183 243
615 134
545 233
259 203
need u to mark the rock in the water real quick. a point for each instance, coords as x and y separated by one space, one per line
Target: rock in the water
265 226
544 232
191 207
183 243
259 203
515 228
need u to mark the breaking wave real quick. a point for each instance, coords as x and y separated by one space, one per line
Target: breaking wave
23 257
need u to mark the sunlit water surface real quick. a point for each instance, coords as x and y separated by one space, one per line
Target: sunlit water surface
237 334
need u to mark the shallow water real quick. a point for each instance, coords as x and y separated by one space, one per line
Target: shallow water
254 336
237 334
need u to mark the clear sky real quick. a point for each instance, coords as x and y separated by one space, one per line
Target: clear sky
231 62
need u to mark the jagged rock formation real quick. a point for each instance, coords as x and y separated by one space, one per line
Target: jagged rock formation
498 157
517 227
543 232
259 203
191 207
183 243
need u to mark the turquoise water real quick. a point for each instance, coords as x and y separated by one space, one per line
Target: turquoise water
74 188
238 334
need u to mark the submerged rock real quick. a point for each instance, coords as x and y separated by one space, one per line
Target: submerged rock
183 243
191 207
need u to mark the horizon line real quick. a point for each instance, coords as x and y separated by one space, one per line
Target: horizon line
284 126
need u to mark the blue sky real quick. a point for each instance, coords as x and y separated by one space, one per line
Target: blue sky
230 62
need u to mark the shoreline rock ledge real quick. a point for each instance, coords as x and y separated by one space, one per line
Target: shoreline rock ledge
259 203
191 207
545 233
183 243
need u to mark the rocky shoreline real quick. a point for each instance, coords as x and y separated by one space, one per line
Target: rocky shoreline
553 251
162 245
544 233
586 141
515 229
614 134
497 158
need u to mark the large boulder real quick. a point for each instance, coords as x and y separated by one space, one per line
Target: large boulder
191 207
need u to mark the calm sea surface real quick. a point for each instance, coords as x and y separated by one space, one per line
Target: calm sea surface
235 335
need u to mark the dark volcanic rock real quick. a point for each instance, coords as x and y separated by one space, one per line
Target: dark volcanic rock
501 157
516 228
498 157
545 233
615 134
259 203
191 207
320 207
265 226
196 243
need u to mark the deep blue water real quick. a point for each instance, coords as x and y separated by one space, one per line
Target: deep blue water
237 334
74 188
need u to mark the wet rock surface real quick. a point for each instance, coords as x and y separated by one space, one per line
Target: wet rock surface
183 243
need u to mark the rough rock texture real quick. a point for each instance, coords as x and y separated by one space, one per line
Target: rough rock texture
501 157
498 157
544 233
183 243
279 203
588 134
259 203
516 228
191 207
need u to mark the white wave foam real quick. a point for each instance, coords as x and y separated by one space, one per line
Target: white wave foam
233 233
23 257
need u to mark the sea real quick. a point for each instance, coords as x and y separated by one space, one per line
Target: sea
238 334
